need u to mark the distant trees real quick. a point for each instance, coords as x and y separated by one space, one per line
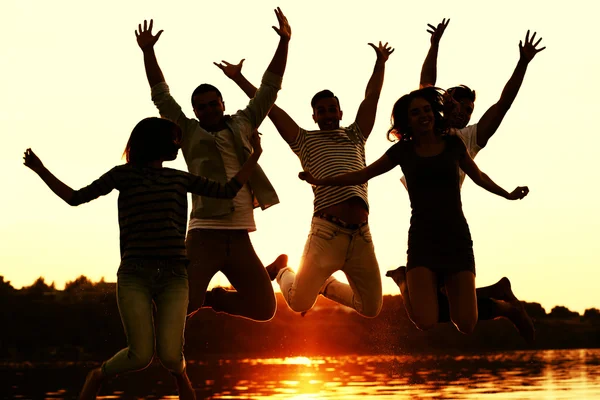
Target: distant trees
591 314
5 286
561 312
39 288
535 310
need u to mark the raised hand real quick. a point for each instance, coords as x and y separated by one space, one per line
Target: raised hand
307 176
255 142
232 71
437 32
284 30
145 38
32 161
383 51
528 50
518 193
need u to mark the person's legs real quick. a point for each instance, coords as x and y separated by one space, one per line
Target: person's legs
253 296
324 253
422 293
364 293
206 251
460 289
488 308
171 299
134 299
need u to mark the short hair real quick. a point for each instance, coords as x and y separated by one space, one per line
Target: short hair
205 88
400 129
458 93
324 94
152 139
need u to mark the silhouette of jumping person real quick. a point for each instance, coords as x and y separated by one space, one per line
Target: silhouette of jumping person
152 220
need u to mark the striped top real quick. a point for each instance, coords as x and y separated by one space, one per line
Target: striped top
330 153
153 206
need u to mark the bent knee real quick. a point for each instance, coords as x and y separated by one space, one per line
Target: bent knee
370 310
140 360
465 325
300 305
172 362
264 314
424 322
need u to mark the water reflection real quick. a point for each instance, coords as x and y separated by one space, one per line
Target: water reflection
556 374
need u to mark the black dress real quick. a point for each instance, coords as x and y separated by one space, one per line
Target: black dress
439 236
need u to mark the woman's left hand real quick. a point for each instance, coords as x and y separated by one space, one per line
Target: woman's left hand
32 161
518 193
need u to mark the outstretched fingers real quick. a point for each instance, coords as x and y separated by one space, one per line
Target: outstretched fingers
529 48
284 30
383 51
437 31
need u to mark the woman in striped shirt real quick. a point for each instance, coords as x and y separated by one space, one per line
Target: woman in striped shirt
152 220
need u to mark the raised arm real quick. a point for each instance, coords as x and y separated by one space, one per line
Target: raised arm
470 168
490 121
365 117
286 126
31 160
161 96
277 65
146 41
104 185
429 69
264 98
381 166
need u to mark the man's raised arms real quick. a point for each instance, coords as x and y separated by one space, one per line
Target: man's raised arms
491 119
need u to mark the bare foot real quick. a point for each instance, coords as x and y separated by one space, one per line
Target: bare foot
500 290
505 291
398 275
184 386
274 268
92 385
209 297
521 320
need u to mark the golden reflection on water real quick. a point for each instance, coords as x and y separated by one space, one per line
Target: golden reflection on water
552 374
563 374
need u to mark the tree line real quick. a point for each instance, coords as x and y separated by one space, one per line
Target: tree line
81 322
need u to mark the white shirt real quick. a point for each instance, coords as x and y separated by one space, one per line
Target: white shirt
243 215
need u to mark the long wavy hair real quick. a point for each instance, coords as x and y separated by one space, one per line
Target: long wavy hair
400 129
152 139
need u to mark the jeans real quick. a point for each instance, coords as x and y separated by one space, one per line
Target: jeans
330 248
231 252
140 283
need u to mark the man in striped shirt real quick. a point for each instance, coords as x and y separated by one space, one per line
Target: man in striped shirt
339 237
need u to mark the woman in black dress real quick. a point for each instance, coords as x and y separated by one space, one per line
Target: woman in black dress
440 250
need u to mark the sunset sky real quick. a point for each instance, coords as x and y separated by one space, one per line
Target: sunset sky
73 87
